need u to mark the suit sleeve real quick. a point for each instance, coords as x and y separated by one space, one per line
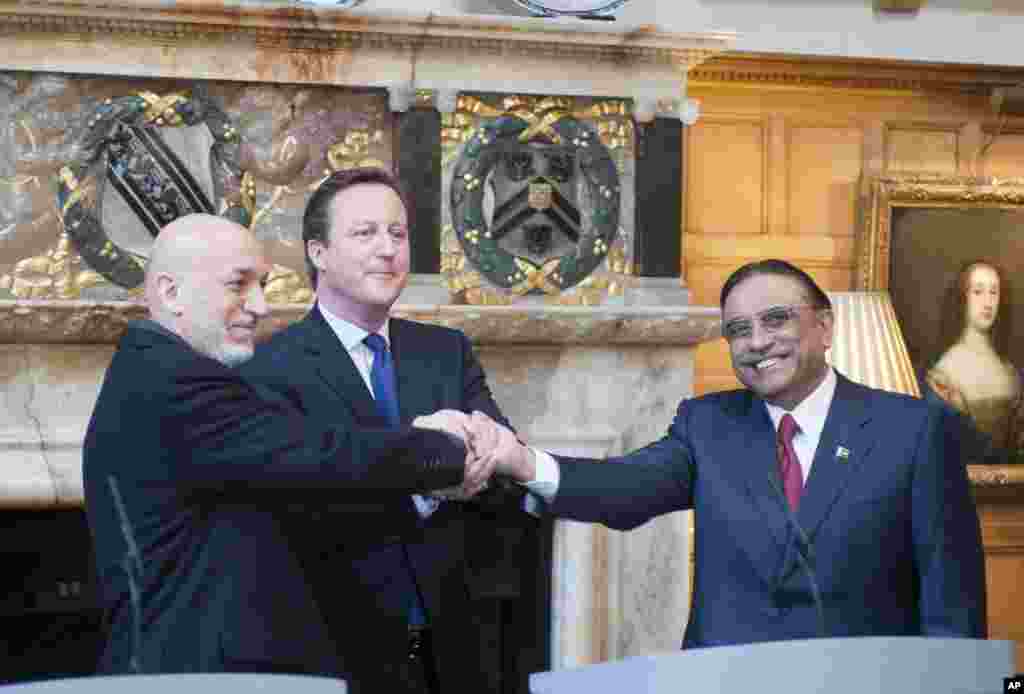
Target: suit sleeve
947 535
226 434
627 491
476 394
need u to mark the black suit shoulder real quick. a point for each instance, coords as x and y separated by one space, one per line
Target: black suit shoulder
429 331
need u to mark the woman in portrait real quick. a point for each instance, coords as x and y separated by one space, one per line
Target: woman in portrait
973 373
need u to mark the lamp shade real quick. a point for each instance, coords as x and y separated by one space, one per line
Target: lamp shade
868 344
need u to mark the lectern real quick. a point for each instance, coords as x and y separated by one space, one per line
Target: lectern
896 665
215 683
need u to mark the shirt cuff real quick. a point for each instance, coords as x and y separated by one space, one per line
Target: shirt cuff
546 476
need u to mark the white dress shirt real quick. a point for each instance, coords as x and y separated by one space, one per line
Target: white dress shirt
809 415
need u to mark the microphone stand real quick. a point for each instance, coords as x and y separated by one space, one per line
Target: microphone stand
132 566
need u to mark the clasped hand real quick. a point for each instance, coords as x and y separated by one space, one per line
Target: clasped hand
490 448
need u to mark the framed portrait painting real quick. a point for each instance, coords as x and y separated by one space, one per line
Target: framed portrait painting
950 251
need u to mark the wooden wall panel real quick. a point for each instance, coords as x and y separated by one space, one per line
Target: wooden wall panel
725 177
825 164
918 148
736 249
1002 530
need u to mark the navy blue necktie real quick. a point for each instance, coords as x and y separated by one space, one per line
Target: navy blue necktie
382 378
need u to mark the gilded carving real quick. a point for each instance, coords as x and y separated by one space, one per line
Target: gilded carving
267 148
996 475
287 286
59 273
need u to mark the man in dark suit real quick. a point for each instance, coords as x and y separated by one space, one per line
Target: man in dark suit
189 474
810 491
412 590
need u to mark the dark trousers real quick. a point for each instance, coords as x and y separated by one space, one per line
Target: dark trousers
416 673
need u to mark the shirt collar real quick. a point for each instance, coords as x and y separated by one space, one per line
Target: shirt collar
810 414
350 334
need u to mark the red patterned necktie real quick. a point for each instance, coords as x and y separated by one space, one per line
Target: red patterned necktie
789 465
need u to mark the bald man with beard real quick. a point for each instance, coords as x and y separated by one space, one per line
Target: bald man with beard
184 460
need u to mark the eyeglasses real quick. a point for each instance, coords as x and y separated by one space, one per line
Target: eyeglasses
772 320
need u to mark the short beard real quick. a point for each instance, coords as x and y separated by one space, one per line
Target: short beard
230 355
233 356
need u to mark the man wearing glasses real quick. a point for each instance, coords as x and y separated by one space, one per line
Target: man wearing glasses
823 508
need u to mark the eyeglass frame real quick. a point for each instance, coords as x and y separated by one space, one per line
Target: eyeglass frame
791 311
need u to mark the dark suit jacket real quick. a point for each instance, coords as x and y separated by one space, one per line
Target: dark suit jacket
895 538
206 470
353 552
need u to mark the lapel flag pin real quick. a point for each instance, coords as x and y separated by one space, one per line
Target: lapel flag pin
842 453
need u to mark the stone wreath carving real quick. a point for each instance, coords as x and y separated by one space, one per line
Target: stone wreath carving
535 201
121 147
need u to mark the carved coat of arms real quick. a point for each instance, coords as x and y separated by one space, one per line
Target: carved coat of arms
535 201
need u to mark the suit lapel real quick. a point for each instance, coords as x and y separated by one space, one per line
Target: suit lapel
334 366
845 443
416 367
759 472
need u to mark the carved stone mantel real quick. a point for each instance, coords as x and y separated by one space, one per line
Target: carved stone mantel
103 322
278 42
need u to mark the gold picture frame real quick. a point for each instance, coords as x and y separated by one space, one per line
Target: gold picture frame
919 231
921 190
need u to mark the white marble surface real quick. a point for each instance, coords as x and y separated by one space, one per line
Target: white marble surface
657 291
614 594
48 392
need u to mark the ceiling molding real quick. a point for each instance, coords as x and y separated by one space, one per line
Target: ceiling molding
900 7
328 29
774 70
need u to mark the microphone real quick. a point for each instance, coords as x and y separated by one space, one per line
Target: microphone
804 555
132 566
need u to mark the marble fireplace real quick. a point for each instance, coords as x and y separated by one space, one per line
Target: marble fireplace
299 92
